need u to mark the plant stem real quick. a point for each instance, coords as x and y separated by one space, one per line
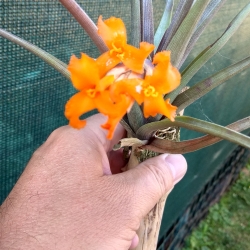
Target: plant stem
150 226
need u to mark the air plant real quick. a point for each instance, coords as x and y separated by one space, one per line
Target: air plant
140 86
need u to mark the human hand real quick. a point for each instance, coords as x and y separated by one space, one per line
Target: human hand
67 197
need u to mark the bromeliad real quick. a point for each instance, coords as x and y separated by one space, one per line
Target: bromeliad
100 87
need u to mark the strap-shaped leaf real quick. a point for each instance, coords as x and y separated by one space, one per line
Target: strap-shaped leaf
45 56
125 123
211 50
86 22
135 116
166 146
181 11
200 89
179 42
164 23
135 23
147 21
212 8
146 131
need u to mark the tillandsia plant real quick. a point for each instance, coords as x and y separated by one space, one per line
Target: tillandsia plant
140 86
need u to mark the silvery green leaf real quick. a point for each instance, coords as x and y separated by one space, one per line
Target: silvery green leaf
146 131
86 22
183 147
164 23
135 117
45 56
179 42
211 50
179 15
212 8
147 21
200 89
135 23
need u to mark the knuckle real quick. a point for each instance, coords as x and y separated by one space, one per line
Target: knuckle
56 138
57 132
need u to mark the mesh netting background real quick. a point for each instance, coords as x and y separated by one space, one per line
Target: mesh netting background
33 95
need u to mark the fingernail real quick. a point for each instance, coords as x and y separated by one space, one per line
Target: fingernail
177 165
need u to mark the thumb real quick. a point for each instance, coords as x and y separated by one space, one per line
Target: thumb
153 178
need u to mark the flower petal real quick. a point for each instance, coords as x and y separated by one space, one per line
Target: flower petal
106 62
106 106
130 87
134 58
112 30
157 105
77 105
84 72
105 82
163 56
165 78
111 125
114 111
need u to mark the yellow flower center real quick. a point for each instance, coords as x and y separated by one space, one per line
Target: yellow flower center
150 91
91 93
118 52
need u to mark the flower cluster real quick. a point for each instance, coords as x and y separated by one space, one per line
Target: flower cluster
113 96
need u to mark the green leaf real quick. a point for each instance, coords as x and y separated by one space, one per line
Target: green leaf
135 117
146 131
135 23
45 56
200 89
179 42
179 15
86 22
147 21
208 14
183 147
164 23
125 123
211 50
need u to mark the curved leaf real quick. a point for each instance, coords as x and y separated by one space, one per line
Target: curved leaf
179 15
86 22
164 23
135 116
147 21
147 130
212 8
135 23
45 56
179 42
125 123
200 89
211 50
166 146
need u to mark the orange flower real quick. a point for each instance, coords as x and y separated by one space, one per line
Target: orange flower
94 93
150 91
113 32
114 111
85 77
163 80
111 96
